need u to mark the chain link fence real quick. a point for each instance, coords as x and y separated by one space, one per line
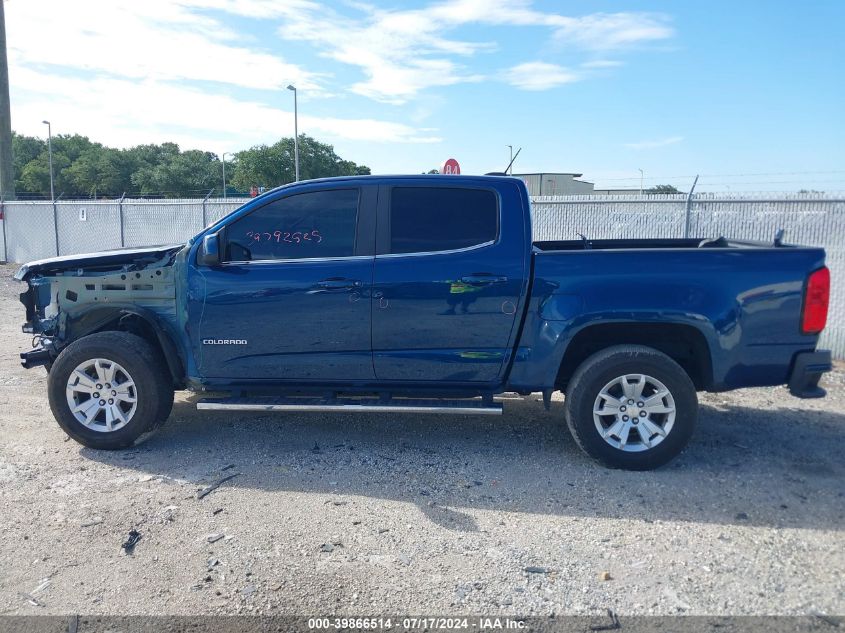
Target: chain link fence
36 230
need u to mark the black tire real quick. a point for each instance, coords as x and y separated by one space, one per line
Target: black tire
153 387
602 368
164 409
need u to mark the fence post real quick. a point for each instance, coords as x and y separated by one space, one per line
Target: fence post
689 207
204 200
56 226
120 215
5 240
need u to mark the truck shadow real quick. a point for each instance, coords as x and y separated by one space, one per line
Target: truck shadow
744 466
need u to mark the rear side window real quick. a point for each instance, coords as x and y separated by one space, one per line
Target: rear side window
306 225
426 219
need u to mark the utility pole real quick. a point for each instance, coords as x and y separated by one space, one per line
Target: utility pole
641 181
7 171
50 155
295 134
224 174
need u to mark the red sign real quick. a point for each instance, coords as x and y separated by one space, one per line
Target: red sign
451 166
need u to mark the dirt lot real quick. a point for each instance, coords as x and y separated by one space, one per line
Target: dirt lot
363 514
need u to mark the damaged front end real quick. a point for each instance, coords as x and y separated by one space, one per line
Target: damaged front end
69 297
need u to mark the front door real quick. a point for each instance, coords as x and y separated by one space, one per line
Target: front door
449 277
291 299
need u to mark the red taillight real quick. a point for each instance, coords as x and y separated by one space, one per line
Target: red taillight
816 298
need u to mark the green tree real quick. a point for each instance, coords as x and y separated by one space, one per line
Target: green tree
24 150
67 149
187 174
663 189
83 169
35 176
273 165
104 172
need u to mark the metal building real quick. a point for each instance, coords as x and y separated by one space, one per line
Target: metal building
555 184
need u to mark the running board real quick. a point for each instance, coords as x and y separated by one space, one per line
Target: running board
362 405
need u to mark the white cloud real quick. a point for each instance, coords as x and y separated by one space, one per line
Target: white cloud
539 76
602 63
122 113
663 142
142 39
126 71
121 77
405 52
607 31
401 53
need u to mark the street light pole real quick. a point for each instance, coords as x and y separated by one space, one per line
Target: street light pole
510 164
224 174
295 134
641 182
50 155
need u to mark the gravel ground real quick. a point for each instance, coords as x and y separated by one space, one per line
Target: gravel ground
363 514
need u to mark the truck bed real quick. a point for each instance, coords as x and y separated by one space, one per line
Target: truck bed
743 298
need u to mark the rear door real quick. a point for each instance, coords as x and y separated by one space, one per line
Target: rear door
450 274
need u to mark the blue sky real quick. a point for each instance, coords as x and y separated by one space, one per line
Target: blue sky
748 94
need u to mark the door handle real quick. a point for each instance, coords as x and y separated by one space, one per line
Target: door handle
339 283
483 279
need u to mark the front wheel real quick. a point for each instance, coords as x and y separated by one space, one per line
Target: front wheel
107 389
631 407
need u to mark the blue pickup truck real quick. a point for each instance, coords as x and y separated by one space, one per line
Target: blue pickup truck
422 294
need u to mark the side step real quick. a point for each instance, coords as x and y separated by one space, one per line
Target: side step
362 405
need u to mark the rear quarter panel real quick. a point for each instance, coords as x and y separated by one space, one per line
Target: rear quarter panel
746 302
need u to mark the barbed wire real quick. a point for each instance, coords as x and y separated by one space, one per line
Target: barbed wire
690 176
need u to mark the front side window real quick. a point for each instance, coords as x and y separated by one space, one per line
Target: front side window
305 225
426 219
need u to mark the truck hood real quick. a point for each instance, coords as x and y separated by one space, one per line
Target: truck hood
128 257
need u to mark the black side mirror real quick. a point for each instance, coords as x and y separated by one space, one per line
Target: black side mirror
209 252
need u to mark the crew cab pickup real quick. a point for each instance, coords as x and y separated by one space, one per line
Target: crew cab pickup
423 294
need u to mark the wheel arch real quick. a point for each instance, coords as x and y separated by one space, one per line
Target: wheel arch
683 343
137 320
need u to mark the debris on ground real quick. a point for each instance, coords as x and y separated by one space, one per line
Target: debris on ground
605 575
35 602
531 569
610 626
208 489
168 513
213 538
41 587
130 543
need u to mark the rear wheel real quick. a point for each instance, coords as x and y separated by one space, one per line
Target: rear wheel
107 389
631 407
